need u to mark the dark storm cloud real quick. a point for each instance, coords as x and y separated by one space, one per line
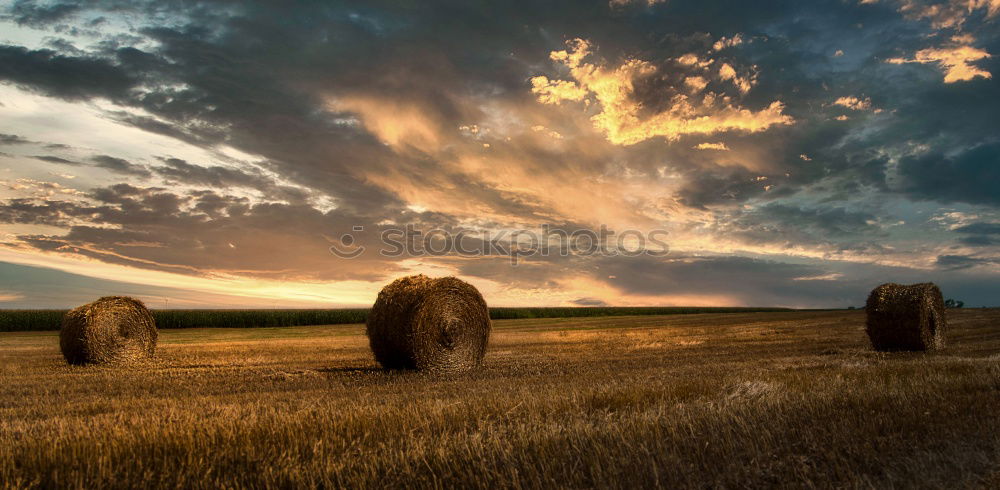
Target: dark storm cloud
248 98
177 170
54 159
217 206
31 212
972 176
64 46
694 275
589 302
742 280
980 234
979 240
63 76
728 186
797 65
958 262
794 225
13 139
32 14
120 165
834 164
980 229
169 129
180 170
955 115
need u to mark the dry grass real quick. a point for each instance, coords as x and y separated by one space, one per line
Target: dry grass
767 399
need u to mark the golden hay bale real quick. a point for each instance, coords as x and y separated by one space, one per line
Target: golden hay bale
434 324
111 330
906 317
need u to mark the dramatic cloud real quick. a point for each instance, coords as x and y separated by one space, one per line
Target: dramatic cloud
948 13
200 233
556 91
729 42
793 153
712 146
54 159
955 61
29 13
120 165
980 234
970 176
63 76
621 119
12 139
854 103
956 57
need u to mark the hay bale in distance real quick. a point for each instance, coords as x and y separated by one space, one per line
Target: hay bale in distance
111 330
429 324
906 317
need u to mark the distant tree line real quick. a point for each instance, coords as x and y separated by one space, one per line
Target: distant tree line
23 320
953 303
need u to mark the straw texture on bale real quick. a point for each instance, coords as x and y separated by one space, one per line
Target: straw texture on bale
906 318
429 324
111 330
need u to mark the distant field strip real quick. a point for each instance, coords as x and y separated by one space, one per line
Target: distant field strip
32 320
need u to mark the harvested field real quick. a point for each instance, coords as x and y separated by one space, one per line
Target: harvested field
743 399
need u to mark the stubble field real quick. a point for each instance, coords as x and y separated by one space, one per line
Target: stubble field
789 399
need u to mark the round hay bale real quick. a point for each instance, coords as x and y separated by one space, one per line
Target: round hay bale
429 324
111 330
906 317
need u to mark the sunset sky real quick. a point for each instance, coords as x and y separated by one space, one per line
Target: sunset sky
209 154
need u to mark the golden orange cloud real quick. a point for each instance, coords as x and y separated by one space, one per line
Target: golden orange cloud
696 84
712 146
619 117
727 72
553 91
486 170
949 14
955 57
727 42
396 124
955 61
854 103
